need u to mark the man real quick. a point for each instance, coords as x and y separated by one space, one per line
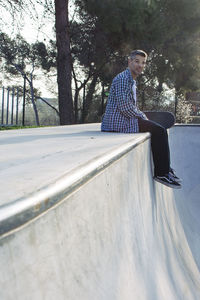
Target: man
123 115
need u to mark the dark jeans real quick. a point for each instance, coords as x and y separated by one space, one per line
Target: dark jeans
159 145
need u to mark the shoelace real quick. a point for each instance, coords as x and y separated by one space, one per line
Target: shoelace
171 177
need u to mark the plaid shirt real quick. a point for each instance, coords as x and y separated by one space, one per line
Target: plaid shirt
122 113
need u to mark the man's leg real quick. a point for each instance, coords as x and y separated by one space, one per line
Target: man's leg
159 145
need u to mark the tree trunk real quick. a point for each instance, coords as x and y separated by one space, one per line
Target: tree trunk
175 103
88 99
102 99
64 67
76 105
33 102
143 100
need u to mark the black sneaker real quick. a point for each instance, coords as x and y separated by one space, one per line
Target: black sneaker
168 180
173 174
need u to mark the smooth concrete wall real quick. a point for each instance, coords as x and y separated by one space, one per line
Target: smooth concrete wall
117 235
185 144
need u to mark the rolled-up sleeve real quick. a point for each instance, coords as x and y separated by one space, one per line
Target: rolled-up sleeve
125 103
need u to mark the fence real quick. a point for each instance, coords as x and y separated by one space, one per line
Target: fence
11 107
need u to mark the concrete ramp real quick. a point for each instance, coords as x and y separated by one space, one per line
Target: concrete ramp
82 219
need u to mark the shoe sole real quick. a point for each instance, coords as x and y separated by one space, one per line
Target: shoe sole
167 184
178 180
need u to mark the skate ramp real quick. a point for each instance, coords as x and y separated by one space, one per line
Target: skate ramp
82 218
185 142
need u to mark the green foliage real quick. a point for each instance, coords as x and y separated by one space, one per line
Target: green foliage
184 110
123 21
45 55
168 30
105 31
165 28
20 55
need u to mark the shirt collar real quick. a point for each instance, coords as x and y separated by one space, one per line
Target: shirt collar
130 76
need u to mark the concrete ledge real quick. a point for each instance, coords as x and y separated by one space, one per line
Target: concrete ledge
22 210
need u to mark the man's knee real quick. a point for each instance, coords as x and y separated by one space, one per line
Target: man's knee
160 130
152 127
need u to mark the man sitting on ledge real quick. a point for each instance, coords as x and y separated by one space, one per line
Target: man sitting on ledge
123 115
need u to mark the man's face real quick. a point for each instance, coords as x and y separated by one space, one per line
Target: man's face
136 65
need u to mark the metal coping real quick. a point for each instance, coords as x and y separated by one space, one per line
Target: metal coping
24 210
186 125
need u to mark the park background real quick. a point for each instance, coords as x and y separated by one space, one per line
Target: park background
58 58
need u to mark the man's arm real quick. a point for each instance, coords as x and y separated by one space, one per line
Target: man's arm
123 93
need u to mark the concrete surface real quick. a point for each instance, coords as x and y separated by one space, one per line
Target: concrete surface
116 234
31 159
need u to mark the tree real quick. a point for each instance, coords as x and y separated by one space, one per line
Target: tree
93 54
97 41
184 110
167 30
90 55
23 59
64 64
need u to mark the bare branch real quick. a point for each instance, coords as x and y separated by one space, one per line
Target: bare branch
38 97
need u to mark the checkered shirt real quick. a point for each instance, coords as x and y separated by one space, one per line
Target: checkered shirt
122 113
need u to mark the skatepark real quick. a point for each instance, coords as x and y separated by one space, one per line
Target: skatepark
82 218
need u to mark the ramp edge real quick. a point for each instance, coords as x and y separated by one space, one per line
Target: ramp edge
24 210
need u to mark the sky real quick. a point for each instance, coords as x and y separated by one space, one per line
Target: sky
31 24
31 31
